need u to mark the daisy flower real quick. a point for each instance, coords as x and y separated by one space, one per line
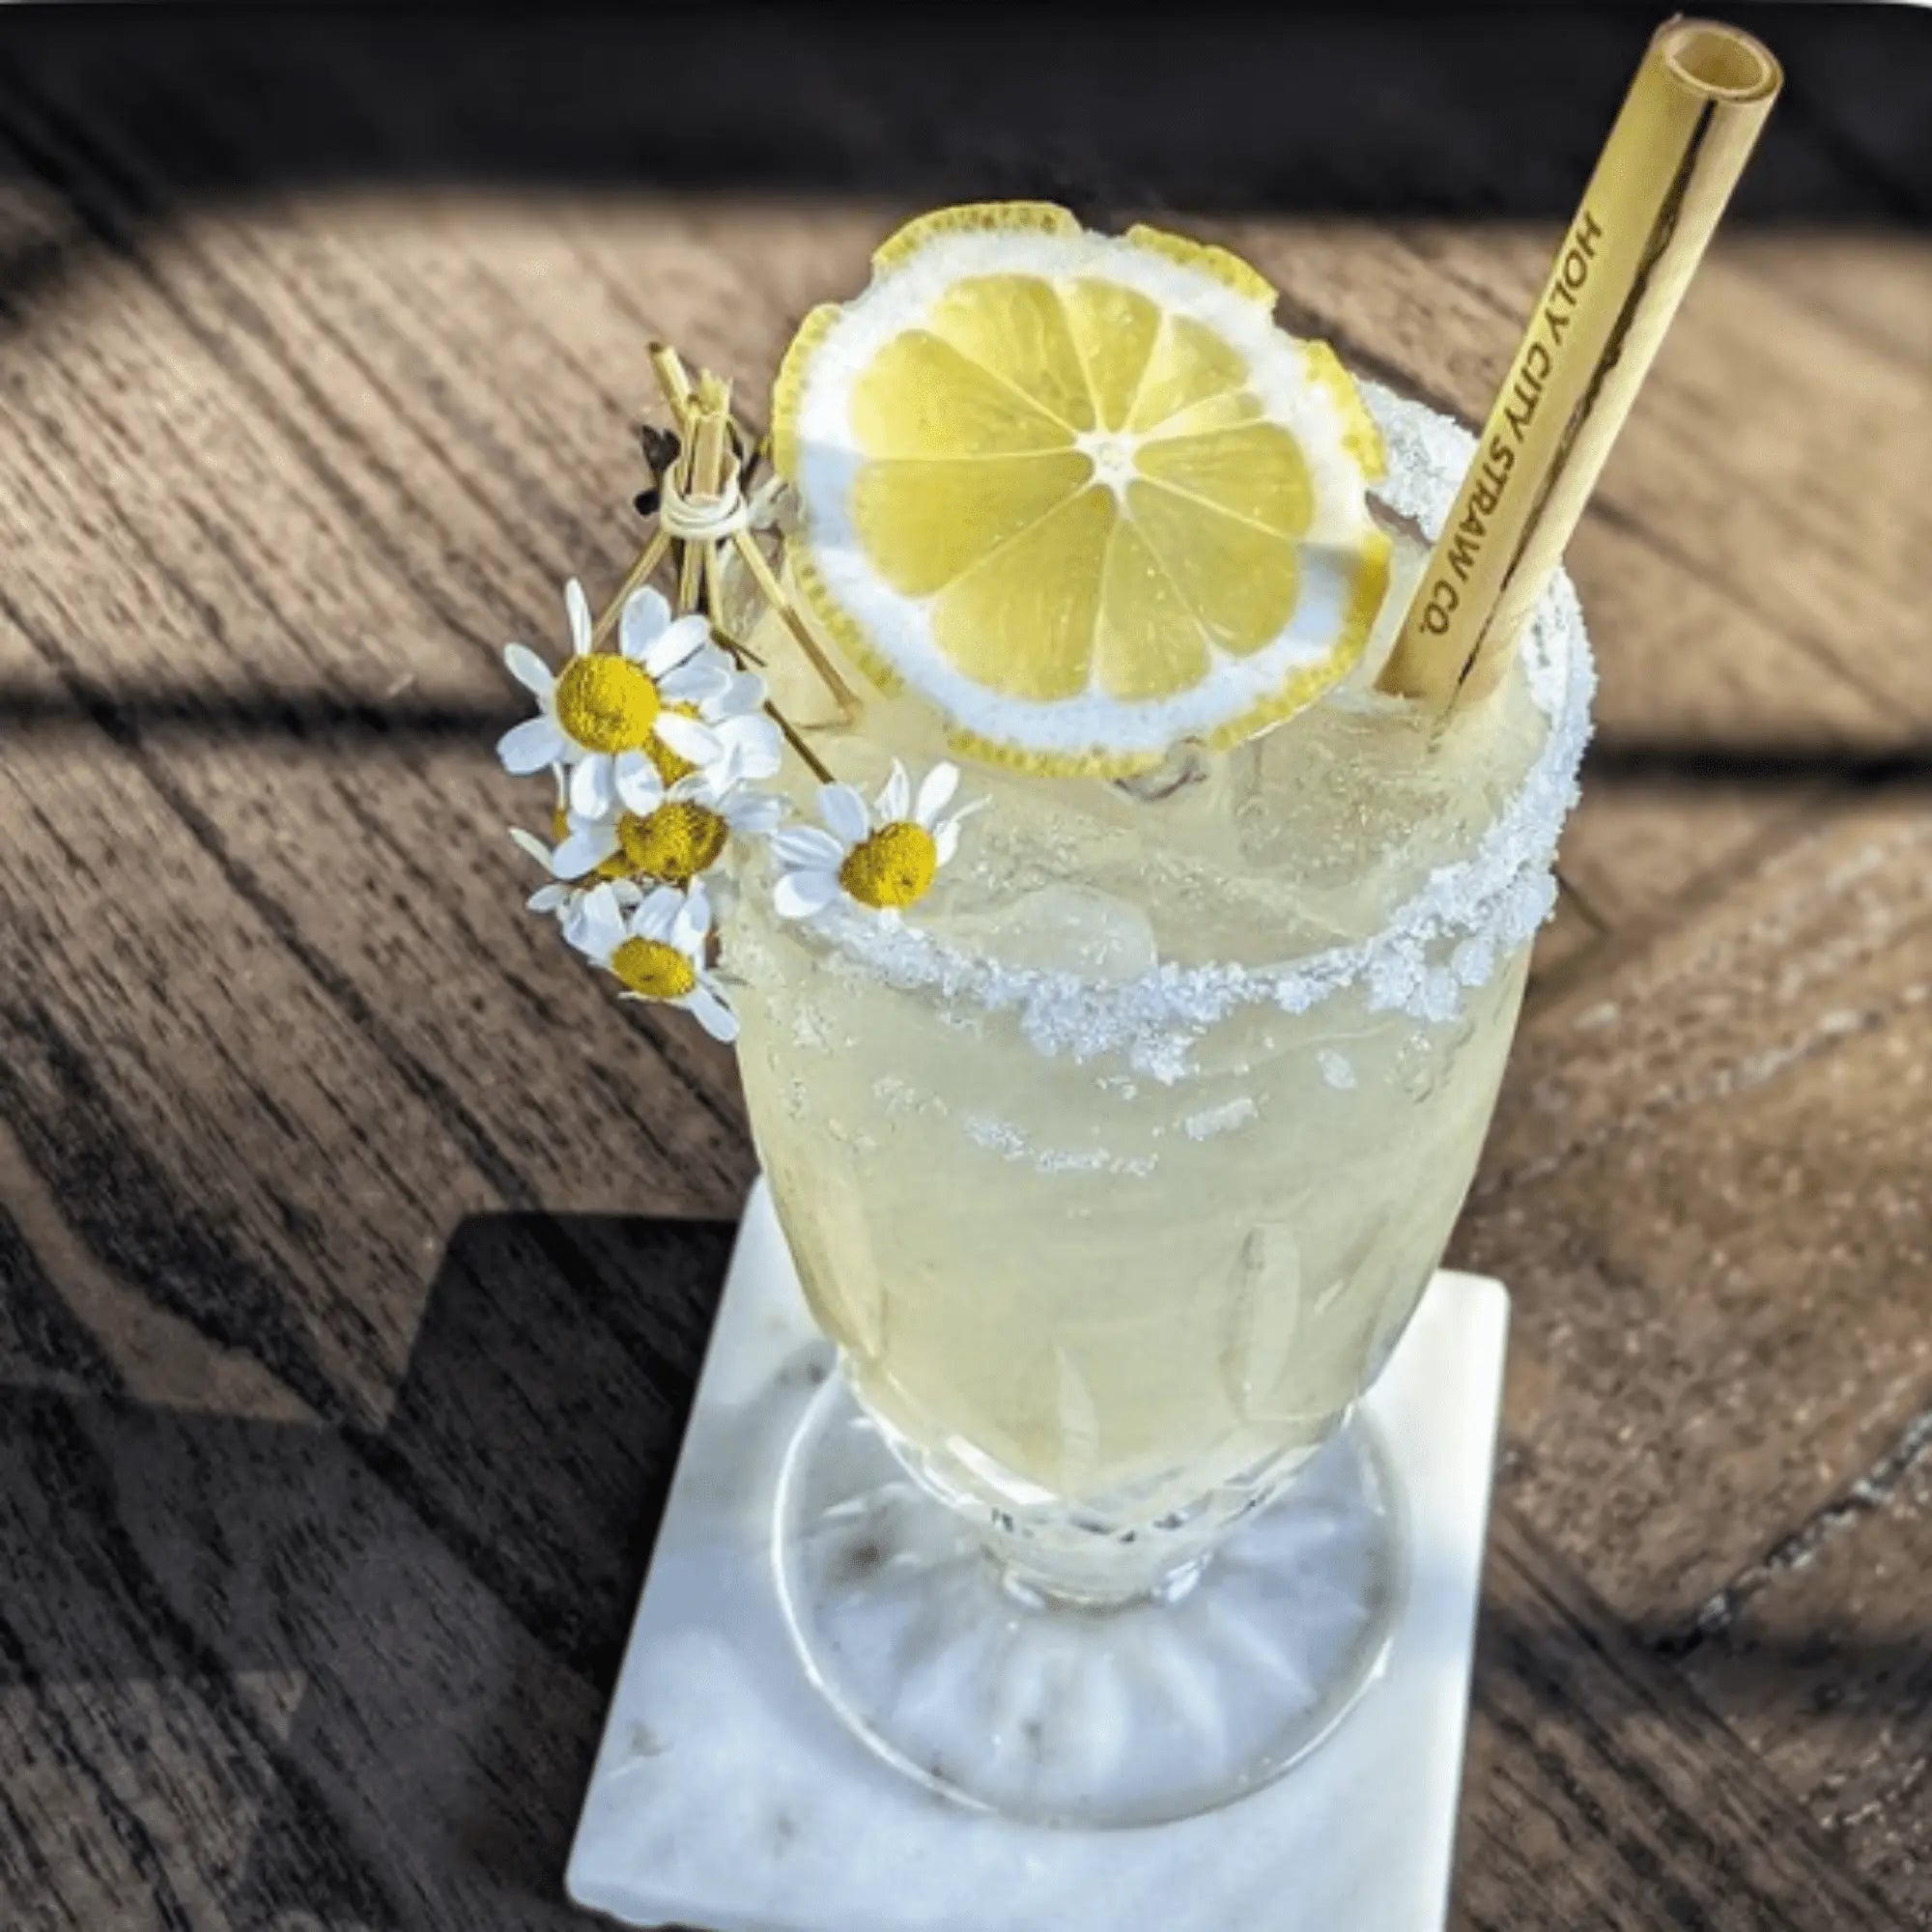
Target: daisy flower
749 744
884 859
676 841
607 715
656 949
567 883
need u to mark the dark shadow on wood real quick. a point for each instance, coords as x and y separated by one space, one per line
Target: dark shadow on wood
450 1591
364 726
1371 110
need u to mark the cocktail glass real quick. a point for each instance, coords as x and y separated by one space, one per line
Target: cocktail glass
1115 1180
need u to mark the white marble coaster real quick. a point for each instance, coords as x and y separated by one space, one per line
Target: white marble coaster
727 1795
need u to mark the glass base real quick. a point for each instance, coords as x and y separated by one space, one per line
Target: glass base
985 1690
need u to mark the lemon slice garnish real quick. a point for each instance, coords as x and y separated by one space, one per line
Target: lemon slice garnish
1077 489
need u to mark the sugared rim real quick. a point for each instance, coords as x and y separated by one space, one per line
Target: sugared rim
1447 939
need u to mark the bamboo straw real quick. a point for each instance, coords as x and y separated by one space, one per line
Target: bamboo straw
1686 129
704 458
708 462
686 407
668 368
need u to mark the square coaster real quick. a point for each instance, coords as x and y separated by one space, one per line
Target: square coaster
728 1795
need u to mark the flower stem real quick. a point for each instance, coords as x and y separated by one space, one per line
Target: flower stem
810 758
652 554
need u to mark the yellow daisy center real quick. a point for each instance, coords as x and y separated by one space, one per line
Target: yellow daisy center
893 868
612 867
657 971
674 843
671 765
607 703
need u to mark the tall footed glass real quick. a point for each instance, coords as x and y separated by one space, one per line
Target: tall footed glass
1117 1177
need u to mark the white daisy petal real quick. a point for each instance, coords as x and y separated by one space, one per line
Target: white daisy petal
754 743
670 648
584 851
591 792
806 846
531 845
645 617
724 777
547 898
935 793
754 813
743 696
579 607
711 1013
530 746
700 682
690 928
894 796
803 894
639 784
528 669
844 811
658 915
698 908
946 841
597 928
687 737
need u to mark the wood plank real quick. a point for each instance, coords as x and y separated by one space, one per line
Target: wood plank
1571 934
1817 1658
1683 671
126 1808
1873 283
43 1345
310 1582
1601 1792
188 1104
75 1321
398 1640
328 868
322 1113
1379 125
382 833
1815 1654
1706 1183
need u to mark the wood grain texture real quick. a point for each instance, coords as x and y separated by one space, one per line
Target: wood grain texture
357 1252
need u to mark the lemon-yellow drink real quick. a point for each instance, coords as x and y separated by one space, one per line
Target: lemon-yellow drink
1118 1174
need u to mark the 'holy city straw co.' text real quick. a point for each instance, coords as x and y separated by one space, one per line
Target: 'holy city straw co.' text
1489 481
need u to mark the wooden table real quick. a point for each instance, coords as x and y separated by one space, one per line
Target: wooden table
357 1251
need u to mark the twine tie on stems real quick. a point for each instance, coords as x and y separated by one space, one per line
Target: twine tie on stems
710 518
